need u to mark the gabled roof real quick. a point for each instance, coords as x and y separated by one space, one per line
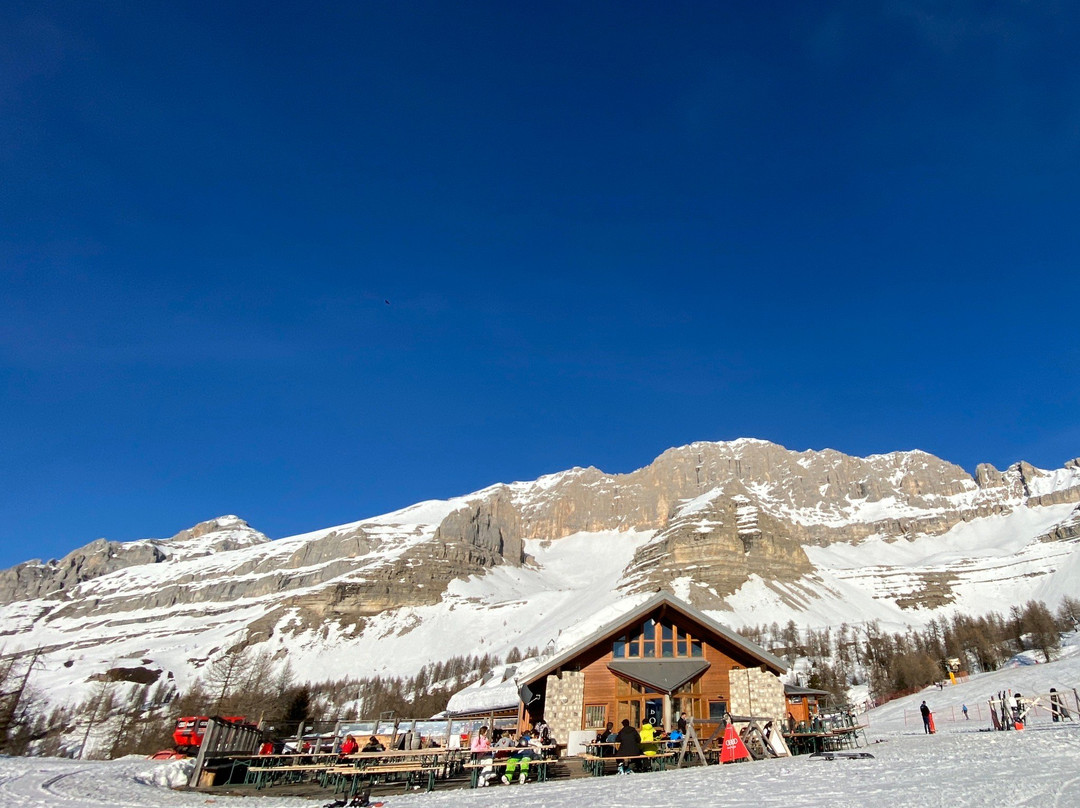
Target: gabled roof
795 690
638 613
664 675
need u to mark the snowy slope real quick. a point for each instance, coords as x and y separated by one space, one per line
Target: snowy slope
213 591
959 766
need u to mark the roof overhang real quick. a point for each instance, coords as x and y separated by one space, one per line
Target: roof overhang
664 675
504 711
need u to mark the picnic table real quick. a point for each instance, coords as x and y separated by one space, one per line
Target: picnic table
596 765
825 740
264 770
411 766
476 768
411 773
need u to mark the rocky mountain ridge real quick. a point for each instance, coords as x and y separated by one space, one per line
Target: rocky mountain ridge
706 520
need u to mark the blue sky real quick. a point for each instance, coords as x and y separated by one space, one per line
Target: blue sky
312 264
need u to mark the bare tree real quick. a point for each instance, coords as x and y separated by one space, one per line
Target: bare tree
223 676
1040 627
13 694
1069 612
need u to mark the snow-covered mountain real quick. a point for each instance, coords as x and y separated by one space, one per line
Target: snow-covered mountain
747 530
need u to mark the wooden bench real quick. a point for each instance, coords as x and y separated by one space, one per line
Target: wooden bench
412 772
538 765
597 764
267 775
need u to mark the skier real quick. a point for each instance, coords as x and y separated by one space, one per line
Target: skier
925 717
966 716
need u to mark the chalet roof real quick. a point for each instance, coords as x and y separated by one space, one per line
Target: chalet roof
497 692
664 675
795 690
639 612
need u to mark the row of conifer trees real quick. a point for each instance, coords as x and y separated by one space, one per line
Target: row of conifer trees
897 663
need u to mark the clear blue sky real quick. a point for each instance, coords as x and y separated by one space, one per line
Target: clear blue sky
602 229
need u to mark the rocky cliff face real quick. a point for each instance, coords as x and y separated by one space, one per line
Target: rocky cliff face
704 519
35 579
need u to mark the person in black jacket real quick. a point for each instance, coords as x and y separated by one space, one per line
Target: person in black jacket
925 718
629 741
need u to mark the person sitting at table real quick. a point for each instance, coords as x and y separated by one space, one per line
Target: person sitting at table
527 750
506 741
481 750
349 746
606 735
480 743
647 736
629 741
373 745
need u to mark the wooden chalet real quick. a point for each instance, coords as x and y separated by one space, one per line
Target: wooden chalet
649 664
803 703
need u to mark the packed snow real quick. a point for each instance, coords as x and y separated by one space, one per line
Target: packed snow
963 765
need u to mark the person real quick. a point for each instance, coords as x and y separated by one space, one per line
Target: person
505 741
648 739
480 743
681 723
925 717
542 732
349 746
790 722
373 745
963 709
629 743
606 735
481 748
528 749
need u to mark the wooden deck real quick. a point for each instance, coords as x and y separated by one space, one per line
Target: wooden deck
570 768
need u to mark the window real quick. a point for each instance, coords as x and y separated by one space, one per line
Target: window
656 638
595 716
667 640
630 710
717 710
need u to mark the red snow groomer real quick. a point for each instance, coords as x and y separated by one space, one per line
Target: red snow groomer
189 730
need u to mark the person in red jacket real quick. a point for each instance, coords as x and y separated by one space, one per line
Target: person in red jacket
350 746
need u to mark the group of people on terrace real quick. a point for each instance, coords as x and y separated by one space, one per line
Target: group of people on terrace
525 748
637 742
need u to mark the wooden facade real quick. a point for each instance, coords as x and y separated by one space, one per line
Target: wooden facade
804 703
658 660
